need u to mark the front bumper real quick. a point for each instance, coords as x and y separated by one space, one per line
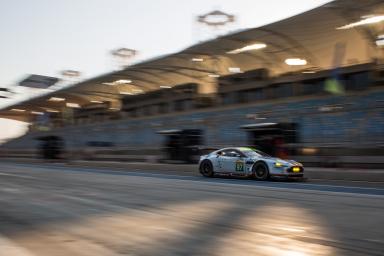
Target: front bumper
292 171
295 169
288 175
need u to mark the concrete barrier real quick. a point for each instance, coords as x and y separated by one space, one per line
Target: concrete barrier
346 174
155 155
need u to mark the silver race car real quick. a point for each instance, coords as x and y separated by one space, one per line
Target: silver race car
248 162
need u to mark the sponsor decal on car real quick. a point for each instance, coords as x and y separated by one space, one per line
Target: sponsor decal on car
239 166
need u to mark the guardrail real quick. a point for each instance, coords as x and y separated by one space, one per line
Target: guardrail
156 156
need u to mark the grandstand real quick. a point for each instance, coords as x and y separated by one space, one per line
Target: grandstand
310 86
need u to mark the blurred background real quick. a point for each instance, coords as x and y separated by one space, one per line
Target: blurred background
106 106
167 82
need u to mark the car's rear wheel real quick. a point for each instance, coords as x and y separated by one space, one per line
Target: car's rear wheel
260 171
206 168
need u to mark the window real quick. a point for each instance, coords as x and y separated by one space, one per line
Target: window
252 152
132 112
188 104
270 92
147 110
227 98
235 153
310 87
163 108
179 105
257 94
230 153
242 96
357 81
284 90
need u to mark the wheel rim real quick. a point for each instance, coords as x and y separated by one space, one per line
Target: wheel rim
261 171
206 168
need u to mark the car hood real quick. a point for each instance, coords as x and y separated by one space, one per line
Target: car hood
276 159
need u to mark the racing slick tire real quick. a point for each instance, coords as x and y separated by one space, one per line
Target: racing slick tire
260 171
206 168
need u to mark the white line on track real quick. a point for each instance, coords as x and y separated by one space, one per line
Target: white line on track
264 185
186 177
294 190
18 176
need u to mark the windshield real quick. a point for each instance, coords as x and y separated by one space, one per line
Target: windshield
252 152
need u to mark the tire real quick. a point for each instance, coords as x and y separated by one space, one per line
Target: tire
206 168
260 171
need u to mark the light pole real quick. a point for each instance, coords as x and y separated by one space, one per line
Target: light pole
215 21
124 56
70 76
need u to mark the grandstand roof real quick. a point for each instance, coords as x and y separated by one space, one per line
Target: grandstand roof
326 37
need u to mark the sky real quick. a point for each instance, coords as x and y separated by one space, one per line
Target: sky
47 36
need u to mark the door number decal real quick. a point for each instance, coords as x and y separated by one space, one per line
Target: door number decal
239 166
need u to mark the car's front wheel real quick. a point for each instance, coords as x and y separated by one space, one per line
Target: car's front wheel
206 168
260 171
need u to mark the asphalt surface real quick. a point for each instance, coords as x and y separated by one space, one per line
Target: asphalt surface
53 210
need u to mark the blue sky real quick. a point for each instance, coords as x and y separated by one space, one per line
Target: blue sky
48 36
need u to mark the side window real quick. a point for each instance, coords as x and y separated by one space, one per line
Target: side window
239 153
234 153
227 152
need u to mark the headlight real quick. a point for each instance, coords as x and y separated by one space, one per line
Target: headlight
278 164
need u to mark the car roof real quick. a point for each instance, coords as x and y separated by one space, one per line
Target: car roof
244 148
236 148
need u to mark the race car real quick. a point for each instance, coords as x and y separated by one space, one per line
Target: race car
248 162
